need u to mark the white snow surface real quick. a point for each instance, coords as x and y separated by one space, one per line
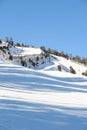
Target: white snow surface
28 51
64 63
4 44
44 99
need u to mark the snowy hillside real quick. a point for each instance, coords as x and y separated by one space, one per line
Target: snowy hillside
37 59
42 94
65 65
41 100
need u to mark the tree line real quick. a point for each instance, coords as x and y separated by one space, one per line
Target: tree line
76 58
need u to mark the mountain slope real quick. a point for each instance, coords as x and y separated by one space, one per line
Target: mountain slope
65 65
39 96
41 100
35 58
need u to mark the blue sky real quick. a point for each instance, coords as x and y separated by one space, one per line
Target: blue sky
58 24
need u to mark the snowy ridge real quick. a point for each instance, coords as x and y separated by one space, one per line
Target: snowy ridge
41 97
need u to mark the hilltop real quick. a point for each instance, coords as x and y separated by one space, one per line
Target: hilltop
39 58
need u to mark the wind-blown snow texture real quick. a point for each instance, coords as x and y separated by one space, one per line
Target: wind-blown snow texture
41 100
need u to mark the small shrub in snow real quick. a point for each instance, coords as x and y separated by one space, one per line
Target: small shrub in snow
33 63
23 63
0 41
59 67
72 70
3 50
37 58
37 64
10 57
30 60
43 49
18 44
84 73
46 55
9 53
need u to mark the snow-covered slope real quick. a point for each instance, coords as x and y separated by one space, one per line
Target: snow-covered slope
29 51
35 58
39 96
65 65
41 100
